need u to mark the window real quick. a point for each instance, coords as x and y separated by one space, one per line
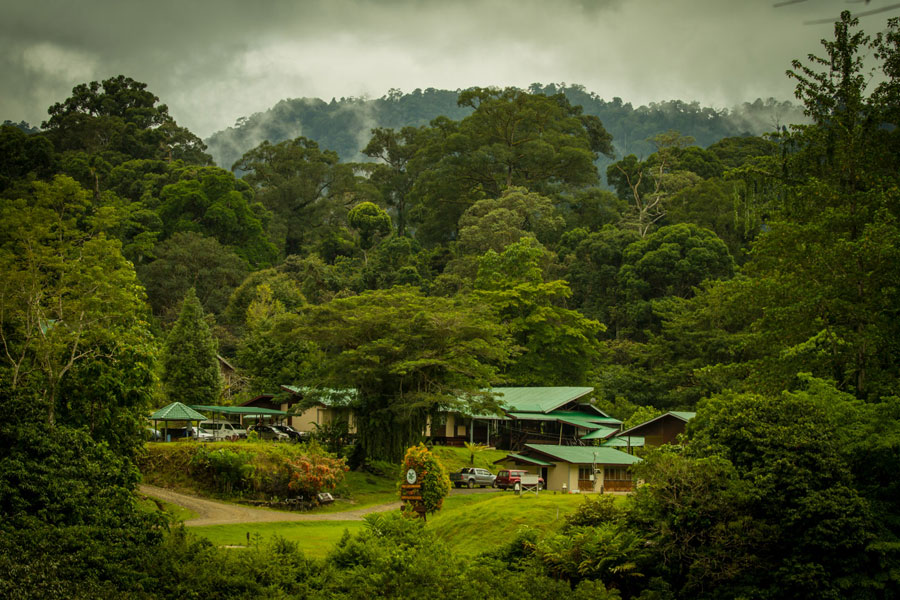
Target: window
585 473
616 474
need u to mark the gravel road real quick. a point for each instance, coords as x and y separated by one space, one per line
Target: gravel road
210 512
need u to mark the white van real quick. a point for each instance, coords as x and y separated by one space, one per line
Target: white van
224 430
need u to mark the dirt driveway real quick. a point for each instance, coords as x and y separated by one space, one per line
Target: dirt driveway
210 512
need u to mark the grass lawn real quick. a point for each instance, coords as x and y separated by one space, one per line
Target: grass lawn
315 538
474 523
455 459
469 524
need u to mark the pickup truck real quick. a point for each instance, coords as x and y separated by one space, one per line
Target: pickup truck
509 479
471 476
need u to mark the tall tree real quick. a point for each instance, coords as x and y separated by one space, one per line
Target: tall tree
512 138
211 201
393 176
191 260
557 345
72 314
407 356
190 369
120 119
822 286
306 188
646 184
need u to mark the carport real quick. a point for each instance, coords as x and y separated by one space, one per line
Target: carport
240 411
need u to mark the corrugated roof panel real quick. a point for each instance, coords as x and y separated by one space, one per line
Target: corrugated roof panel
623 442
177 411
326 396
538 399
681 414
529 459
599 434
240 410
582 455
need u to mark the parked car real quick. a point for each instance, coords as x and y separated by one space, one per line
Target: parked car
224 430
509 479
268 432
198 433
296 436
471 476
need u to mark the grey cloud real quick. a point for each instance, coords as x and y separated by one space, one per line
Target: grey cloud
213 62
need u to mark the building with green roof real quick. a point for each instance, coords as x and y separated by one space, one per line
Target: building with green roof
660 430
549 415
570 468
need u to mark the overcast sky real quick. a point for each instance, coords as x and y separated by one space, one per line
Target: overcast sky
215 61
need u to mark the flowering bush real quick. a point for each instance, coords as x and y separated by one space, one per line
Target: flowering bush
312 474
430 473
269 470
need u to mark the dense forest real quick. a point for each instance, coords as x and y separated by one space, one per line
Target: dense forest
343 125
751 278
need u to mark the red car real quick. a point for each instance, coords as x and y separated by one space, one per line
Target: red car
509 479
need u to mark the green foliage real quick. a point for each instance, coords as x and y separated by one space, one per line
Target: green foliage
642 414
230 470
301 185
370 221
72 315
258 469
762 498
191 260
512 138
119 119
494 224
557 345
190 367
670 262
68 522
594 512
610 553
333 435
430 474
212 202
407 356
24 156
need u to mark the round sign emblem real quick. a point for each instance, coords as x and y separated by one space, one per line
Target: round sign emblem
411 476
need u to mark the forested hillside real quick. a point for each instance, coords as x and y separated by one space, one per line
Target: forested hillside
343 125
752 279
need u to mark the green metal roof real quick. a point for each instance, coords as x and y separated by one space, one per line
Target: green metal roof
583 455
240 410
599 434
528 459
326 396
593 417
538 399
683 415
623 442
177 412
575 419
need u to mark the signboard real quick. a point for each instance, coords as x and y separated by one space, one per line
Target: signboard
411 493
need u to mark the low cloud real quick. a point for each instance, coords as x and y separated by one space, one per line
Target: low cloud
213 62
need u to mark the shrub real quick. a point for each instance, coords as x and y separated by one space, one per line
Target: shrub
592 513
431 474
230 470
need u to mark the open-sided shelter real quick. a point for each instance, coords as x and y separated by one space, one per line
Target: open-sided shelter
177 412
